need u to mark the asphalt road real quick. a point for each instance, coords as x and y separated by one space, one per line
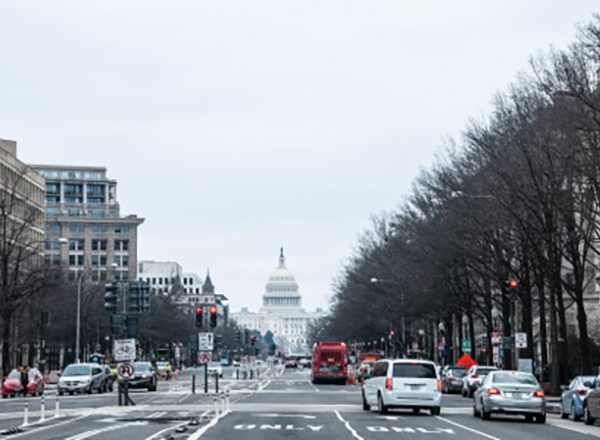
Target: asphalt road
277 405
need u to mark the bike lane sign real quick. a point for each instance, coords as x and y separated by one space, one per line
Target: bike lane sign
124 350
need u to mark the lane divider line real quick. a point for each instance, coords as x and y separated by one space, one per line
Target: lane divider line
348 427
466 428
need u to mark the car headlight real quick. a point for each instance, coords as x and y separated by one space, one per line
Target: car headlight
144 376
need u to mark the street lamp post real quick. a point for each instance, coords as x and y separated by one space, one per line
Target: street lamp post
78 326
402 314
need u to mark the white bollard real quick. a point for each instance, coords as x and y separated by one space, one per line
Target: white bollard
216 406
227 400
26 413
57 407
223 403
43 408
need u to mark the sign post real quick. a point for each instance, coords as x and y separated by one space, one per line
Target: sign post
125 371
520 340
206 342
466 345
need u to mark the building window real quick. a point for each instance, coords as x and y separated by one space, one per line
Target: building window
100 229
122 230
98 260
99 244
76 227
75 260
76 244
153 280
121 245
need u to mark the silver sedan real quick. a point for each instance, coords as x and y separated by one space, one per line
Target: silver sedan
510 392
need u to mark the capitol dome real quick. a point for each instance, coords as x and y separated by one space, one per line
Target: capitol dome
282 289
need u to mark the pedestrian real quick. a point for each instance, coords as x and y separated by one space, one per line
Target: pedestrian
24 379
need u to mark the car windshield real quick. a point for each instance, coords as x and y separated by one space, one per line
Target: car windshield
162 364
416 370
458 372
77 370
141 366
483 371
514 378
588 381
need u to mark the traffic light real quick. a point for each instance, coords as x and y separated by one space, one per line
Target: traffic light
252 340
246 336
145 297
238 336
110 298
199 316
513 289
213 316
134 298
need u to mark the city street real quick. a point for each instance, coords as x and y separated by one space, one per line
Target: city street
281 403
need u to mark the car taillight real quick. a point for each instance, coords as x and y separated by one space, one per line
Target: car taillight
582 392
539 393
475 376
362 381
440 386
389 383
494 392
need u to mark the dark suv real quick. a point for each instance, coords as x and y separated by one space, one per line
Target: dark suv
144 376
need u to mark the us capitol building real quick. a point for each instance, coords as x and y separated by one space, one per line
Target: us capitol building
282 311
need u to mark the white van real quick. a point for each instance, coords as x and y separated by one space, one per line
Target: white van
403 383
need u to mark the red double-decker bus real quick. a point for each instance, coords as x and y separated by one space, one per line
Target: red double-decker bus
330 362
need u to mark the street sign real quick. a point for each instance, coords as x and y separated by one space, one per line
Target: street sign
496 338
466 346
204 357
521 340
206 342
126 371
124 350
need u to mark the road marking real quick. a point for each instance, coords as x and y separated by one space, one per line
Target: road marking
301 416
43 428
347 424
466 428
314 387
161 432
202 430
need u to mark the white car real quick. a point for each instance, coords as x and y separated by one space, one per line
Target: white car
215 368
403 383
474 378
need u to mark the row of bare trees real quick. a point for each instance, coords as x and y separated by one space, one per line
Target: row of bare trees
516 197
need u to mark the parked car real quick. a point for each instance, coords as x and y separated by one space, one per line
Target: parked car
109 378
474 378
12 386
573 397
591 404
81 378
403 383
453 379
224 362
510 392
291 363
215 368
144 376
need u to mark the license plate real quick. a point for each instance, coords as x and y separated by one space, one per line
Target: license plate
516 395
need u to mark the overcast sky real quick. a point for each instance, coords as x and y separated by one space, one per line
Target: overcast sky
237 127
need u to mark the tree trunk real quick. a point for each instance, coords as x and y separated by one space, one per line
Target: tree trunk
6 344
541 288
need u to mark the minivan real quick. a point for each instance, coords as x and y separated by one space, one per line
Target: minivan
403 383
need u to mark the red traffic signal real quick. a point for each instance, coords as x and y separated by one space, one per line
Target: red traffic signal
213 316
252 340
513 284
199 316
